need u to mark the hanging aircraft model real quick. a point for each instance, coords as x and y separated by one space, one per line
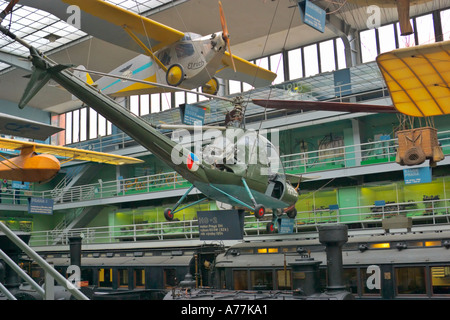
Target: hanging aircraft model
166 55
239 167
30 166
418 80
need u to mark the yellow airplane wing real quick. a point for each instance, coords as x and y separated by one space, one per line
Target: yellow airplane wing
245 71
102 19
418 78
69 153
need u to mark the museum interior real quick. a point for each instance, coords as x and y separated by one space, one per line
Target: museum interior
347 163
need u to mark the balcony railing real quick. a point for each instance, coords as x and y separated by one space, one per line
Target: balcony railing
432 212
306 162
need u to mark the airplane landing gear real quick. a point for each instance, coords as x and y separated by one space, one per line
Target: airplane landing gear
259 211
270 227
168 214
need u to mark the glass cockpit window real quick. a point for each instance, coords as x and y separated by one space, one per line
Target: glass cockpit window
220 151
256 149
164 57
184 50
190 36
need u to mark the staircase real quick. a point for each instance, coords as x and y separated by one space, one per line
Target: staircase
77 175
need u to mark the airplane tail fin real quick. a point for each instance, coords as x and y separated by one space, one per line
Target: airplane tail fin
38 79
83 75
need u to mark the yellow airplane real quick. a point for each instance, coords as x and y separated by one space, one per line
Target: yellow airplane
30 166
167 56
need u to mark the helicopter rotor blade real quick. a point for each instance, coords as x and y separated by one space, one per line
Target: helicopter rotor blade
324 106
225 33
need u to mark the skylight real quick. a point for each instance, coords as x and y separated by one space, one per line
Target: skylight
46 32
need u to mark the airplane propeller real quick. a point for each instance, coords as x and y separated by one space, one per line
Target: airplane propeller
225 33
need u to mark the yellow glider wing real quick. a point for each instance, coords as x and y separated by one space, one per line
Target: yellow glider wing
418 78
70 153
245 71
146 29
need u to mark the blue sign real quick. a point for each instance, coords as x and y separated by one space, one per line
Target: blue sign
380 203
286 225
312 15
20 185
417 175
40 206
342 82
193 115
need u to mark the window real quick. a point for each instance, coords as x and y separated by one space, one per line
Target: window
139 278
179 98
155 102
101 125
368 45
284 279
240 280
445 22
425 29
350 278
105 278
234 87
170 278
76 126
311 60
166 101
134 105
386 35
87 275
327 57
69 127
123 278
83 124
340 48
295 64
410 280
261 280
93 127
277 66
440 280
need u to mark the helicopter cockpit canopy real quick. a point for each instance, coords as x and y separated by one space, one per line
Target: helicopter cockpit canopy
238 148
221 151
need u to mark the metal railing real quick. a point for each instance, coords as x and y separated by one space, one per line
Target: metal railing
51 273
349 156
430 212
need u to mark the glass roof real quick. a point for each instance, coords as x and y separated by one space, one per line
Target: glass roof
365 78
46 32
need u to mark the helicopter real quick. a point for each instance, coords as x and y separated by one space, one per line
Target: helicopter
238 167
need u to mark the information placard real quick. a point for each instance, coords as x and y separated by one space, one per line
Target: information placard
221 224
40 206
312 15
417 175
192 115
